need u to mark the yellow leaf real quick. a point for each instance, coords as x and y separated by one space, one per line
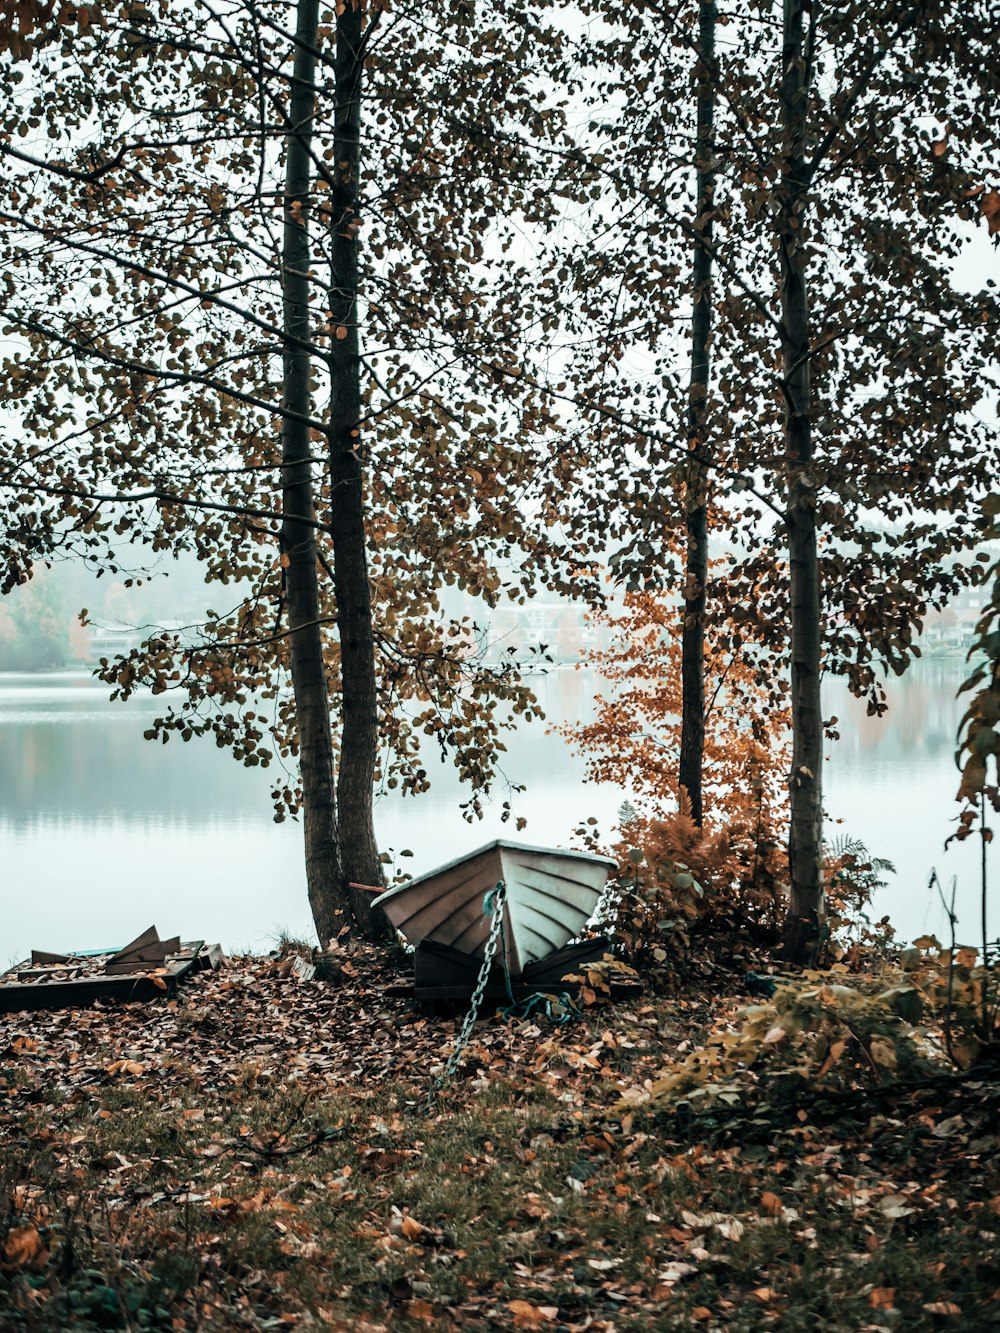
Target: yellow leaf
412 1228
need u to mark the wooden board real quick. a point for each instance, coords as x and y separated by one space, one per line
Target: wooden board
146 951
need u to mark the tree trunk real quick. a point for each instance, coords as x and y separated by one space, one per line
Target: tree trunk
696 566
806 907
298 539
359 740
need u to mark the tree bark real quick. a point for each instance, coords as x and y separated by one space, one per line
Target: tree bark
359 739
692 753
298 540
806 907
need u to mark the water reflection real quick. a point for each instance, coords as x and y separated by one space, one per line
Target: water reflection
102 832
892 782
67 752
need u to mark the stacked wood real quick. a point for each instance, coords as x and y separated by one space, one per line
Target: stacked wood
141 970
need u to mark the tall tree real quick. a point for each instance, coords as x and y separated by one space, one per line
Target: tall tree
692 738
805 845
323 838
359 735
179 357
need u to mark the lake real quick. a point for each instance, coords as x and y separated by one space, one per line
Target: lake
103 833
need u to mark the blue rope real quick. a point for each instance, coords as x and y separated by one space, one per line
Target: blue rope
539 1001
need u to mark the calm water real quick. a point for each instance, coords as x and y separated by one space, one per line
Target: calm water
102 832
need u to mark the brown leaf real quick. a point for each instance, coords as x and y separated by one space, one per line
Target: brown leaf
989 206
527 1315
882 1298
771 1204
411 1228
23 1247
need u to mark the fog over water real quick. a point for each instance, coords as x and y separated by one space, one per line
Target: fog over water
103 833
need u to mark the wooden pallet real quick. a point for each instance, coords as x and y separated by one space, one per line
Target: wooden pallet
145 969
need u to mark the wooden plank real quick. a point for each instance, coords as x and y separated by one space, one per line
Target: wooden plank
549 971
147 939
47 973
78 992
142 957
40 956
208 956
437 964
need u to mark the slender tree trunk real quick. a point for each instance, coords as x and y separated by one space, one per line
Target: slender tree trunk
806 904
298 539
696 567
359 740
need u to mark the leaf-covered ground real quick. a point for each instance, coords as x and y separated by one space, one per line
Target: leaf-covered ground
259 1155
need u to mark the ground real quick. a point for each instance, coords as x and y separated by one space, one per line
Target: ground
261 1153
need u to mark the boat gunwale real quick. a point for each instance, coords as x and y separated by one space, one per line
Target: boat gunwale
499 844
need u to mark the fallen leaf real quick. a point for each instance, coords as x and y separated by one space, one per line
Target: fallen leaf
882 1298
527 1315
23 1247
895 1206
676 1272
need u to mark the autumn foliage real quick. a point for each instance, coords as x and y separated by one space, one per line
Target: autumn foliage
733 866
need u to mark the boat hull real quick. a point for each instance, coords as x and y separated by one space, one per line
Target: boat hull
551 895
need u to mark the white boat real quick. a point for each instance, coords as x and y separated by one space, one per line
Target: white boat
551 895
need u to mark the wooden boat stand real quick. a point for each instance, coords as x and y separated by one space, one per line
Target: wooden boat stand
445 977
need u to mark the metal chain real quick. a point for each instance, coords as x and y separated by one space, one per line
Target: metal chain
497 898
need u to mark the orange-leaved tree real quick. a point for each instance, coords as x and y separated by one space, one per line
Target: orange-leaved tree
736 862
